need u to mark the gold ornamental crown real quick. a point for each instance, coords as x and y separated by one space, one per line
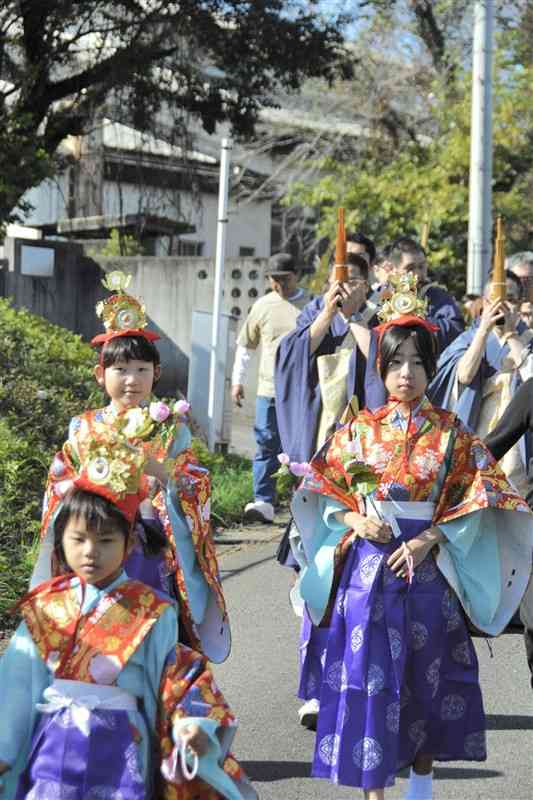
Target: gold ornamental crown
121 311
402 299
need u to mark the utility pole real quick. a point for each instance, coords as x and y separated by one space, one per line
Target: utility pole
218 356
480 196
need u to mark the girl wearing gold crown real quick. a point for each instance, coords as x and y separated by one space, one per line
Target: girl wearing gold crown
174 551
400 516
98 698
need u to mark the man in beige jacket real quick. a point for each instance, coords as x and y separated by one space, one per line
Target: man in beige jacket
270 319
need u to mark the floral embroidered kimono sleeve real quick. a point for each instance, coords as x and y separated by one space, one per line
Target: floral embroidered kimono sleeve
178 689
484 522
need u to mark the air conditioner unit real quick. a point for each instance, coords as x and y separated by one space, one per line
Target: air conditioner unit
199 367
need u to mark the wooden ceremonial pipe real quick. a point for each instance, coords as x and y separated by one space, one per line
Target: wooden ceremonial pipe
498 286
341 267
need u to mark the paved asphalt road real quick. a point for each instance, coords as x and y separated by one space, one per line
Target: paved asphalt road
259 682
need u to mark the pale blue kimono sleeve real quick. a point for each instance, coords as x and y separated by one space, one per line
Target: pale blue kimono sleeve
471 542
316 580
487 561
328 509
142 673
23 678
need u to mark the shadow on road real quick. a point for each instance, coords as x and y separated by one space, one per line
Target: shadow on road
508 722
276 770
269 771
232 573
464 773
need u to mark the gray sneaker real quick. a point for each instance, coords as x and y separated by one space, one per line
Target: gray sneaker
259 511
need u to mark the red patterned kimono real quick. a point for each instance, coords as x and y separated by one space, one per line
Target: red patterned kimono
193 491
398 674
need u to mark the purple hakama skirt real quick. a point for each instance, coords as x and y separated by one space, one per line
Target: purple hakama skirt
313 644
400 672
99 761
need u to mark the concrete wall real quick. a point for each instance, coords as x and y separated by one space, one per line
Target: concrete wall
68 297
48 201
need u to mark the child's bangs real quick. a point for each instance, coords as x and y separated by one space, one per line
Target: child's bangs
129 348
99 514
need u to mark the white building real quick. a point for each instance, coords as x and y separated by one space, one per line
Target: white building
119 178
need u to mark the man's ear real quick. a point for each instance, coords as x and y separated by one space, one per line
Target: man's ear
99 374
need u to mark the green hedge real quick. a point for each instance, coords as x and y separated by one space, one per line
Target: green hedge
45 378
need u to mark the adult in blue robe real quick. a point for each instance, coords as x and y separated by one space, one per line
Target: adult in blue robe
298 395
466 399
406 255
444 312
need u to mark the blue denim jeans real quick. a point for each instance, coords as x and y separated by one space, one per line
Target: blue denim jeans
268 446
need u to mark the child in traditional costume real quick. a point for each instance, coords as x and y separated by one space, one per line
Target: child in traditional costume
98 698
177 511
400 678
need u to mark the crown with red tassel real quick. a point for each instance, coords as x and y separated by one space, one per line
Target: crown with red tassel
109 465
122 314
402 306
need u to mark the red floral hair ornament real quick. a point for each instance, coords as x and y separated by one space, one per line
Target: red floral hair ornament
110 468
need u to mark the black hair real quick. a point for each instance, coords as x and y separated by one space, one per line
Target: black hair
425 343
396 249
129 348
99 514
510 276
281 262
103 516
368 244
153 538
357 260
353 260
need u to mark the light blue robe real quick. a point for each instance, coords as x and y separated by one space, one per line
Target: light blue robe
24 676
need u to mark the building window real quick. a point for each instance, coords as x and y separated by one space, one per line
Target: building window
235 311
188 247
246 252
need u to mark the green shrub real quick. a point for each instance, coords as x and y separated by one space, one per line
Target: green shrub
45 378
231 484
